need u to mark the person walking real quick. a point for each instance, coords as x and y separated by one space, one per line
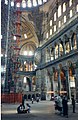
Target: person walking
73 103
60 104
65 106
23 101
56 103
32 100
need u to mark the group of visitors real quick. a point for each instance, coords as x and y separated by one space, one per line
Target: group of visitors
61 104
24 107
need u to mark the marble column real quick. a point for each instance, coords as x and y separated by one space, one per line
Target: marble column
64 48
77 40
59 81
70 43
76 80
58 50
68 83
54 53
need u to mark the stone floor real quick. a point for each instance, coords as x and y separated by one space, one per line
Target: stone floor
43 110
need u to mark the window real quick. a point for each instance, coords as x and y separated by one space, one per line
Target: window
12 3
39 2
64 7
77 8
50 31
50 22
29 3
55 16
25 52
30 53
59 11
47 35
44 0
70 3
18 4
6 2
14 38
25 35
23 3
34 3
25 80
54 28
59 24
64 19
71 13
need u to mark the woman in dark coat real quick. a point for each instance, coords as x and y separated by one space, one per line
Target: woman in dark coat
65 106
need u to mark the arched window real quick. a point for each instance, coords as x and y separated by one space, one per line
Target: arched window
18 4
64 19
34 3
59 24
50 31
44 0
23 3
50 22
64 7
29 3
39 2
77 8
70 3
47 35
71 13
55 16
59 11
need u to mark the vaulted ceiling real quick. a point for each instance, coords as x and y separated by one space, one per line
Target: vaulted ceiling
31 25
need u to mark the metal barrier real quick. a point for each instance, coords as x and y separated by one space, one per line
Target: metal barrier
11 98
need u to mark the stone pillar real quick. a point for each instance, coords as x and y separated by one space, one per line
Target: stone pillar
23 65
43 85
59 81
53 82
70 44
68 83
50 53
58 50
64 47
38 80
54 53
30 83
77 40
76 80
